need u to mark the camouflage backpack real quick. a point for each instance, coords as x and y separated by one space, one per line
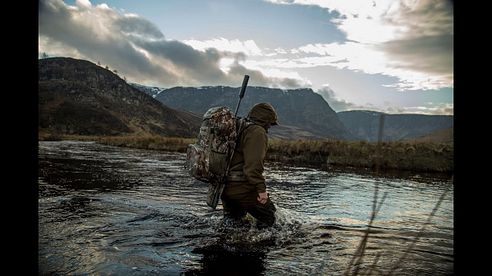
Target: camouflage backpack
208 158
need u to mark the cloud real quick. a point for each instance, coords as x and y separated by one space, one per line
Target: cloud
339 105
442 109
278 82
83 3
247 47
335 103
239 55
425 44
410 40
138 50
426 109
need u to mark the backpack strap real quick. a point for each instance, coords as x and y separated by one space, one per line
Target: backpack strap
243 124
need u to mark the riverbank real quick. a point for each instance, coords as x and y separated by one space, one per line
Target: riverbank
387 156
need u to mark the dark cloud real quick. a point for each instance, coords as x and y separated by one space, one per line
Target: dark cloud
424 18
72 29
136 48
199 67
237 72
427 42
430 54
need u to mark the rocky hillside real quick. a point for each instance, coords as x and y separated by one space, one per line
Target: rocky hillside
365 124
79 97
302 113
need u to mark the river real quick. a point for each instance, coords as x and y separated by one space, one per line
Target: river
107 210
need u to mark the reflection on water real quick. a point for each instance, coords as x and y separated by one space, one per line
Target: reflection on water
109 210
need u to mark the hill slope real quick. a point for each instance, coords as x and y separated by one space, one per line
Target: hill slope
439 136
79 97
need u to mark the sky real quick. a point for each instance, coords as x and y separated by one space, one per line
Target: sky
394 56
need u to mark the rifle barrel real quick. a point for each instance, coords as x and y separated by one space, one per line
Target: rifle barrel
241 94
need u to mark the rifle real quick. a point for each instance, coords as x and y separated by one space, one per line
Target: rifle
241 94
215 189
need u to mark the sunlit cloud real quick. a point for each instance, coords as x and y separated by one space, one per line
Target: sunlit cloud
409 40
247 47
83 3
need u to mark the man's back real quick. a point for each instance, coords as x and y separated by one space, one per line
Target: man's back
248 159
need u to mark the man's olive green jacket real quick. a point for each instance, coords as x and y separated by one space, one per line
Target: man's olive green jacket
247 161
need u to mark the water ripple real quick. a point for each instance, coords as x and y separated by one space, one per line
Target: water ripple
109 210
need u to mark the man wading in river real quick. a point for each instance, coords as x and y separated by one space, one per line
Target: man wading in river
245 190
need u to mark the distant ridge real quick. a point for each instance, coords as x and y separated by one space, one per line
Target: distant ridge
364 124
80 97
302 113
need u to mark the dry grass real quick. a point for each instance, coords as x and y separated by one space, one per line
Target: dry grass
153 142
413 156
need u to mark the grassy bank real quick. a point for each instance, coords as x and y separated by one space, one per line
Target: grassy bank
411 156
151 142
407 156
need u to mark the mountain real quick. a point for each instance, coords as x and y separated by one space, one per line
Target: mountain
79 97
364 124
149 90
302 113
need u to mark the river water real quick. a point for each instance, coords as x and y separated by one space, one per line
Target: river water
106 210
